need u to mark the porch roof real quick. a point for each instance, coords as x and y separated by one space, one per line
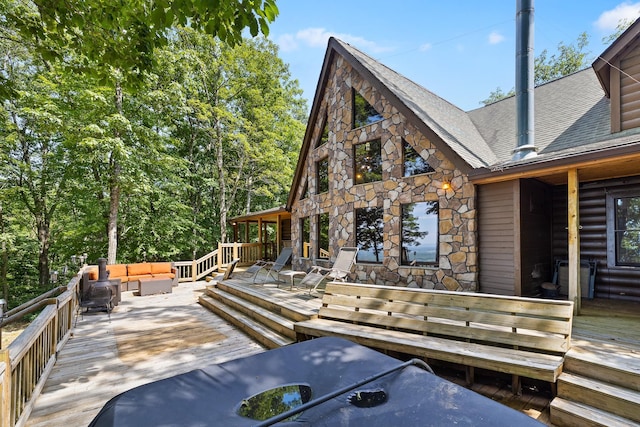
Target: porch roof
269 215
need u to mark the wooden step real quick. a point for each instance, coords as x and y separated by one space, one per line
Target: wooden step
600 395
296 309
274 321
254 329
619 366
572 414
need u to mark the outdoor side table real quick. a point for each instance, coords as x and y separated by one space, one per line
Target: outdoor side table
292 274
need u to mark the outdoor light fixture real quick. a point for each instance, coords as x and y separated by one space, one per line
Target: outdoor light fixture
446 185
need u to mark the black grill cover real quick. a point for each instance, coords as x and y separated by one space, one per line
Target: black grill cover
211 396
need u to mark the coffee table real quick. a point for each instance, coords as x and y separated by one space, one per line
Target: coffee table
153 285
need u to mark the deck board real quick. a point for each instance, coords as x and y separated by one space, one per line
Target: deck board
147 338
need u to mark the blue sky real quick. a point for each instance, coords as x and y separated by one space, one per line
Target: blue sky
461 50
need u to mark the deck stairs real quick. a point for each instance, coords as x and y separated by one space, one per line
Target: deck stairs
598 387
267 318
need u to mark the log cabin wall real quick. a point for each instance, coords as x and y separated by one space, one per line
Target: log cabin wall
611 282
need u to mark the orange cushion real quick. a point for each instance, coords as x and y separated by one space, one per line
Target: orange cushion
160 267
93 273
164 275
140 276
117 270
139 269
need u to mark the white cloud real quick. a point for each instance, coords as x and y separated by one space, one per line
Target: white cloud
495 37
318 37
608 20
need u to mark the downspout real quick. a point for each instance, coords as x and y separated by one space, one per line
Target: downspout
524 81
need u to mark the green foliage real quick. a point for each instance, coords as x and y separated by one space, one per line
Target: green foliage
108 34
569 59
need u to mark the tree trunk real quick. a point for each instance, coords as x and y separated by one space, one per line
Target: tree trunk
222 197
43 258
114 190
3 262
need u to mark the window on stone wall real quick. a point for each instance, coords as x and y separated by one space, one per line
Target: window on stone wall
324 136
369 234
322 175
305 190
367 162
323 236
414 163
305 237
623 229
363 112
420 233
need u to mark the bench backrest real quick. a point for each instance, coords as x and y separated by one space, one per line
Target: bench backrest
527 323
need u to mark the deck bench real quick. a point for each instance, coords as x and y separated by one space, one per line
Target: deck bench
524 337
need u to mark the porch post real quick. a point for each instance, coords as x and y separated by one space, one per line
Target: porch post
279 235
574 239
262 254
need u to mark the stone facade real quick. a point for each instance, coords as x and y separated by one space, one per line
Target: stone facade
458 265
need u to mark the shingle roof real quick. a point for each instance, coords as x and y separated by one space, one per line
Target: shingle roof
571 113
449 122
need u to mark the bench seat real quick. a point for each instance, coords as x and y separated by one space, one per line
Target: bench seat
528 364
524 337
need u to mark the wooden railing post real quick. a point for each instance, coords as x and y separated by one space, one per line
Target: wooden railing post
5 415
220 255
236 248
194 270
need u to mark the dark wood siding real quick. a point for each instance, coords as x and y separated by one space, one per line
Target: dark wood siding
497 239
630 90
614 282
535 236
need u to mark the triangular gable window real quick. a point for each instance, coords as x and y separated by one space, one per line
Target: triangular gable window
414 163
324 136
305 190
363 112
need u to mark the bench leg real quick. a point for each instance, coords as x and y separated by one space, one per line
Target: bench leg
470 375
516 385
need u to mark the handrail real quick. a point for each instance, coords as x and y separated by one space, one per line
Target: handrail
27 362
247 253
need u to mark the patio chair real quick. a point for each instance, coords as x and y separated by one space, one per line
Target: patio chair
271 266
229 270
340 270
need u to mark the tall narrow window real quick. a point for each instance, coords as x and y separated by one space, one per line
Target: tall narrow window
323 236
623 222
420 233
369 234
367 160
414 163
305 190
363 112
305 236
322 175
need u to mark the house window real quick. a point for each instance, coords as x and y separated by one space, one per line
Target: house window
305 236
305 190
414 163
369 233
324 136
322 175
623 229
323 236
367 158
363 113
420 233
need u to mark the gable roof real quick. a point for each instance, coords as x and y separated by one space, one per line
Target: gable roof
572 120
603 63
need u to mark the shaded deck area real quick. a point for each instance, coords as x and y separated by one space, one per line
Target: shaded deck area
158 336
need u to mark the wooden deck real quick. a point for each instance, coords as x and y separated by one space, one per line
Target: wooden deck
154 337
147 338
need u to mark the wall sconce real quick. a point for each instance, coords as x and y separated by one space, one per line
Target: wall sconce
446 185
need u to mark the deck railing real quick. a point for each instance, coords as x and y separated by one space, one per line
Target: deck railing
26 363
247 253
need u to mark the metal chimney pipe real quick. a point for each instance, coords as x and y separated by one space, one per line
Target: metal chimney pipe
524 81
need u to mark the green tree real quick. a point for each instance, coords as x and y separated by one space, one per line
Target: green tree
108 34
569 59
